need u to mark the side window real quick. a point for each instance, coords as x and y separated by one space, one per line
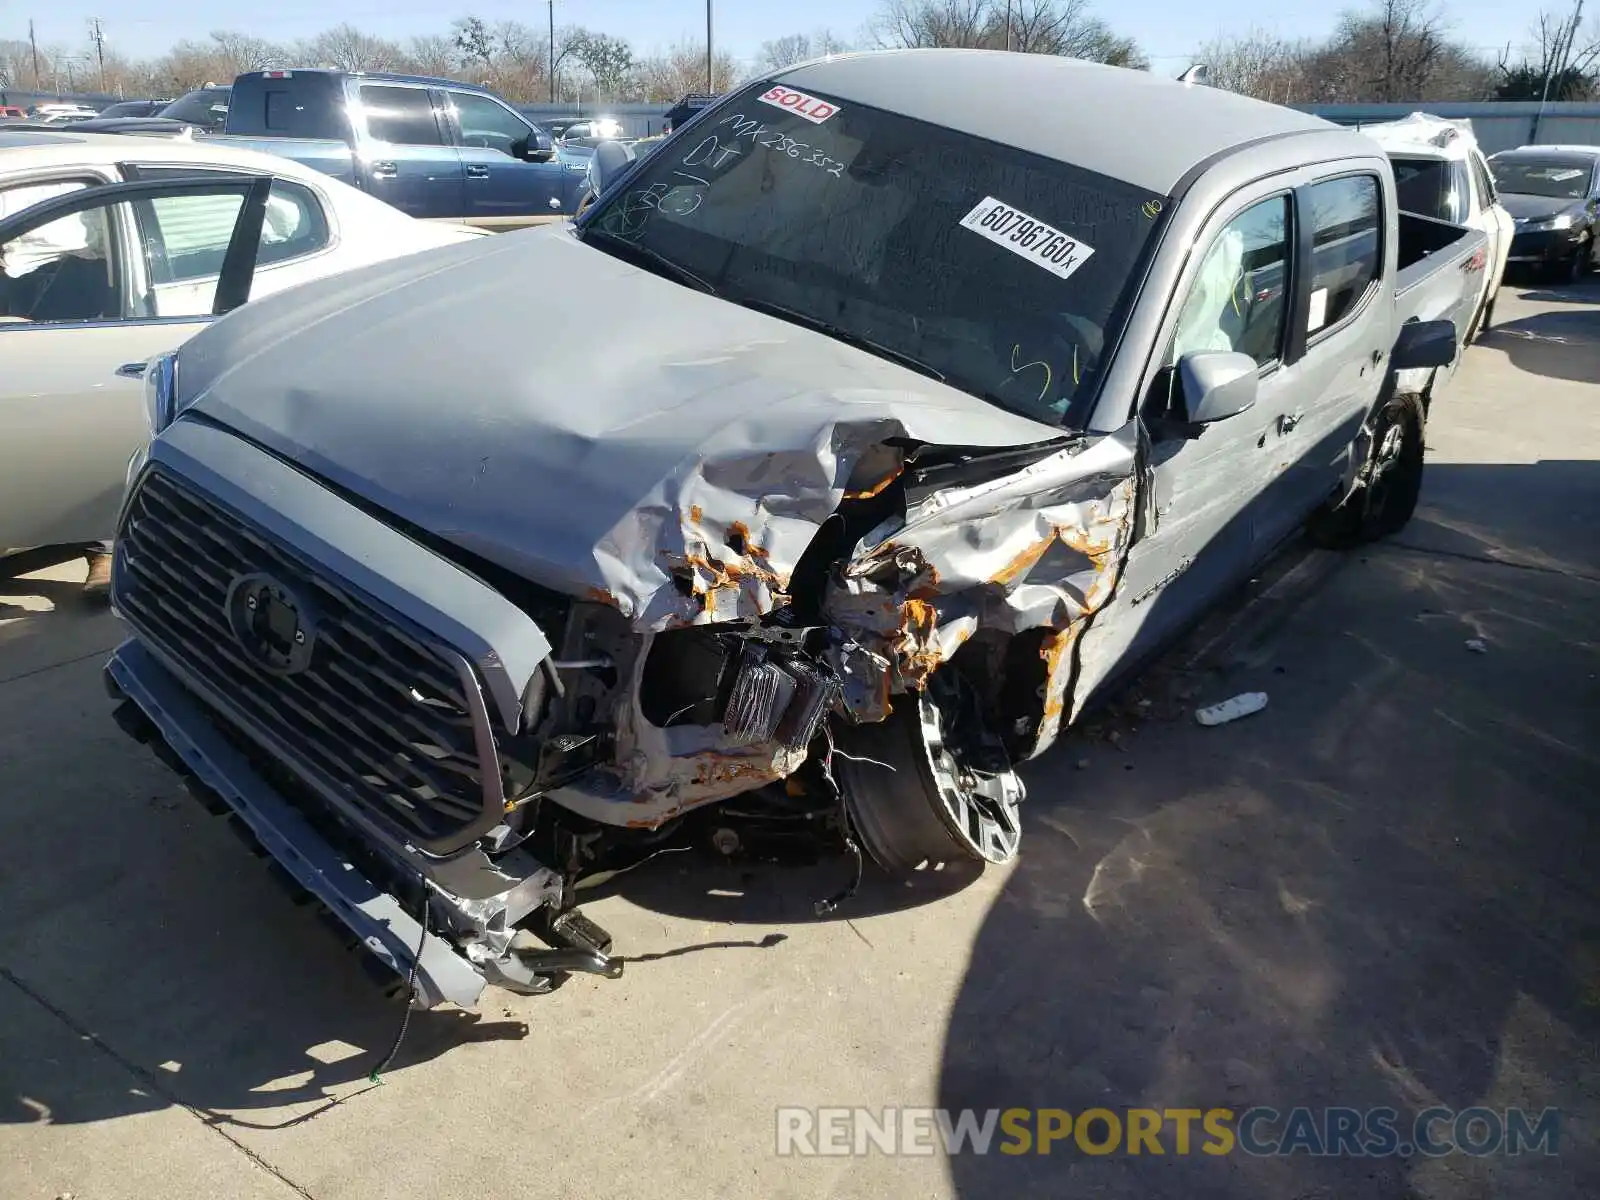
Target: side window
184 238
63 270
1346 246
1238 300
1463 204
195 230
402 116
19 196
1485 184
489 125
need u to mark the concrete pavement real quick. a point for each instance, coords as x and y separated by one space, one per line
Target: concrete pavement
1379 891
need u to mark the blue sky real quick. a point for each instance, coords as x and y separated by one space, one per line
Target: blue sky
1167 29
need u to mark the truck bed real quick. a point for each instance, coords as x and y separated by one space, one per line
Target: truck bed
1427 247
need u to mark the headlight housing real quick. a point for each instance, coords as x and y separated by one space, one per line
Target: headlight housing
1559 221
161 391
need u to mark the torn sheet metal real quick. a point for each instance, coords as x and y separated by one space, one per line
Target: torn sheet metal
1037 549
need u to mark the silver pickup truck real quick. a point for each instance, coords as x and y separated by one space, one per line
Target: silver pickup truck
928 424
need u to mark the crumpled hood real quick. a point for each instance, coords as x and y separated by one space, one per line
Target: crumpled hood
591 426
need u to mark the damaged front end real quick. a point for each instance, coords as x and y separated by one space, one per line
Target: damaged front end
860 634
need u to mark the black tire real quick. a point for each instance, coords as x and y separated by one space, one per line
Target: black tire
1579 264
921 798
1390 483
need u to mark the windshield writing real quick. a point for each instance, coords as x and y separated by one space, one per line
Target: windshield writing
1003 273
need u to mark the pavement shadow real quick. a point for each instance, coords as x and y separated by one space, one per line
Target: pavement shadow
1558 344
1375 893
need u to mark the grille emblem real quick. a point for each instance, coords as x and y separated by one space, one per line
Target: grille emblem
273 625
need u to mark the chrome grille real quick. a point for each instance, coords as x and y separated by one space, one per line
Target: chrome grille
378 711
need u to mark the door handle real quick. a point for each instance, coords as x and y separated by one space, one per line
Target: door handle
1287 421
384 170
133 370
477 171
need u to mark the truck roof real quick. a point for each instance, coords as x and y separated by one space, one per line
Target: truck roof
368 77
1130 125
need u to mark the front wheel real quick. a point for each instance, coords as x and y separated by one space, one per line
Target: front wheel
1388 487
932 784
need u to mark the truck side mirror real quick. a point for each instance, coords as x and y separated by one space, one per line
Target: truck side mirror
1424 344
537 154
1216 384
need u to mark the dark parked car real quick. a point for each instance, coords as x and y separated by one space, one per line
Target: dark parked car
134 108
205 108
1553 193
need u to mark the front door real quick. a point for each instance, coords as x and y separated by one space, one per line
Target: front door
82 307
493 143
1238 294
406 156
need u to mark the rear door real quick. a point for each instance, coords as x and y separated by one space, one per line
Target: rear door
408 158
80 313
493 143
1339 336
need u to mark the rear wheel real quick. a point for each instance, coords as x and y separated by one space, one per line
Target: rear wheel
933 784
1390 483
1579 264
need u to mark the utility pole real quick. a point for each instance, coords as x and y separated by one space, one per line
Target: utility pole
34 42
709 89
1008 24
98 37
552 7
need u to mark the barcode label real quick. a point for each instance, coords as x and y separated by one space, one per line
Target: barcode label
1043 245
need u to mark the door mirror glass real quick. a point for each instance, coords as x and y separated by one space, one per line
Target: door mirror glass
1424 344
1216 384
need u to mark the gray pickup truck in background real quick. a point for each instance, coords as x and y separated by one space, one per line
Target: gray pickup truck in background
929 424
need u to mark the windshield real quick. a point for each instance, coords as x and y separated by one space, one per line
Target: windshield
207 107
1430 187
1006 274
1557 178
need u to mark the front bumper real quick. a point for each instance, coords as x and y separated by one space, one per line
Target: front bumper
373 915
1545 246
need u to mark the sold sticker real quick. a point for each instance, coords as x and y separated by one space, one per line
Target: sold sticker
814 110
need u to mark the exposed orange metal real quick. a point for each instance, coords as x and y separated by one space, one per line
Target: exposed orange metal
877 488
1024 562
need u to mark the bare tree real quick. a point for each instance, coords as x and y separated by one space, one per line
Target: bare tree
348 49
431 54
1560 62
797 47
1064 27
16 65
1397 50
906 23
666 77
237 53
1258 63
